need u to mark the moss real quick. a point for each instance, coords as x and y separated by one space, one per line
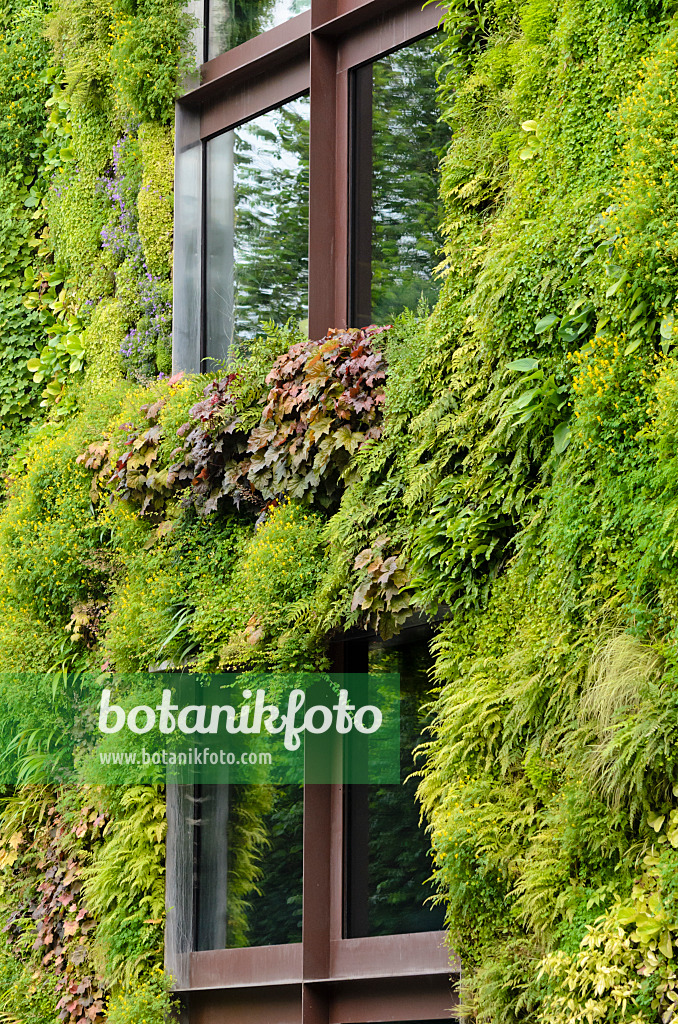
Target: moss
155 202
77 211
103 338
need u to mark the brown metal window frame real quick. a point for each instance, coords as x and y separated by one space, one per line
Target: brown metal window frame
325 979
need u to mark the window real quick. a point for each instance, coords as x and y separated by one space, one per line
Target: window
256 226
397 142
306 171
248 859
386 859
306 186
230 22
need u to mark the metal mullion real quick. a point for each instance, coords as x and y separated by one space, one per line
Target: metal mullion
262 55
370 42
327 123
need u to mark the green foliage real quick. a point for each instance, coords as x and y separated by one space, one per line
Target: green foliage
125 888
22 1000
279 572
24 55
148 1001
155 197
77 211
102 340
147 57
49 524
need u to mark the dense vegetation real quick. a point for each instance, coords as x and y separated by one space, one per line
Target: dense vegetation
507 458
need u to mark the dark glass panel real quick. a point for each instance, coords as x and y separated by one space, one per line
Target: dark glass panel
398 141
248 866
256 230
387 850
231 22
274 915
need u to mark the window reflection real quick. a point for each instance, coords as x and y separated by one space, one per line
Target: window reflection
387 861
231 22
397 145
256 265
249 865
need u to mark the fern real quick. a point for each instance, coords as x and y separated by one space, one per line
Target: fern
125 886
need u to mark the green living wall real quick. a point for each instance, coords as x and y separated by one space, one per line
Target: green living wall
506 460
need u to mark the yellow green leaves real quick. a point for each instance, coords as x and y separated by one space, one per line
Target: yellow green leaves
533 147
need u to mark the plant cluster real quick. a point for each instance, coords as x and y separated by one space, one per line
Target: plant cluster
506 458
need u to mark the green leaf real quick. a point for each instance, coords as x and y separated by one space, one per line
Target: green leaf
664 945
656 822
525 398
524 365
626 915
614 288
530 126
632 346
33 365
561 438
545 323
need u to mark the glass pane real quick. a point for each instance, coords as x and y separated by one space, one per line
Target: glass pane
387 851
187 232
249 866
231 22
256 226
397 145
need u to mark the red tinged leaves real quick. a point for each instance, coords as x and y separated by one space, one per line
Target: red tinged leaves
54 855
324 402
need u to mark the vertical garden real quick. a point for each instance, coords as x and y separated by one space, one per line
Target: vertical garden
506 460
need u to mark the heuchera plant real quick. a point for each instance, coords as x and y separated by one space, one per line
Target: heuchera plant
325 401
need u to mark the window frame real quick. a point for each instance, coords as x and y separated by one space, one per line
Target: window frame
325 979
314 52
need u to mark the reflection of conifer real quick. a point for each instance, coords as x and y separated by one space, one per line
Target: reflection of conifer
271 227
408 140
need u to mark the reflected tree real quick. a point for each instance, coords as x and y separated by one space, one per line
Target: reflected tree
408 141
398 858
232 22
271 218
